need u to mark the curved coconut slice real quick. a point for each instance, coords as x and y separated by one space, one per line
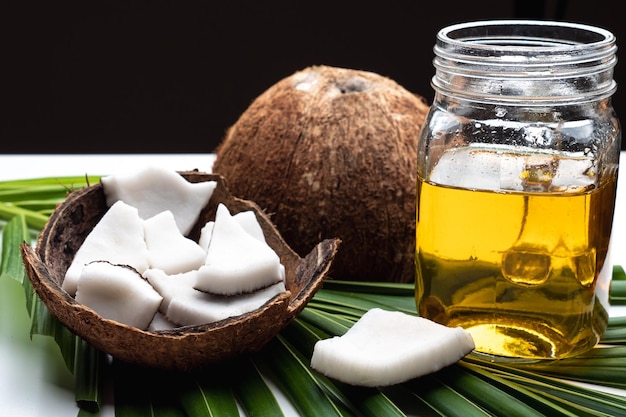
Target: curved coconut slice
205 235
184 348
184 305
154 189
170 286
168 248
160 322
119 293
117 238
236 262
246 219
199 308
389 347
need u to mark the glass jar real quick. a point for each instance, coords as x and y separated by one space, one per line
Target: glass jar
517 171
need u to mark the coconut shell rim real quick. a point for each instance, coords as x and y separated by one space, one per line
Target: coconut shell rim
193 346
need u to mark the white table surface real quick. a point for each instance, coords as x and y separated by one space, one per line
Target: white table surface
33 381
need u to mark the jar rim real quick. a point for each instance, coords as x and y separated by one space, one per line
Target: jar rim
522 34
520 60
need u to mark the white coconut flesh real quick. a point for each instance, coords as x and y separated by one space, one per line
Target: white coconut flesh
181 287
168 249
160 322
250 224
183 305
154 189
197 307
246 219
118 238
240 267
236 262
118 293
205 235
171 286
389 347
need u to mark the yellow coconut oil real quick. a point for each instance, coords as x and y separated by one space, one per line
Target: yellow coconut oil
526 273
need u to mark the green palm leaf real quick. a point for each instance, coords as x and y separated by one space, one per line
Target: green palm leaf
290 368
476 386
207 394
253 392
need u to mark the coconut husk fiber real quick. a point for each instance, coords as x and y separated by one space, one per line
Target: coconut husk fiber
332 152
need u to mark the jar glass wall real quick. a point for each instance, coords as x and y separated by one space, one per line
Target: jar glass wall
517 171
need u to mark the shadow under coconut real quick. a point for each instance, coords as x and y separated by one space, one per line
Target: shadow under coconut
185 348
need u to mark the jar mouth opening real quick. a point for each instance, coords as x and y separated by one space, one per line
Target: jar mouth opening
533 35
529 60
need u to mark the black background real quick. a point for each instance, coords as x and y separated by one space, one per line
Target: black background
154 77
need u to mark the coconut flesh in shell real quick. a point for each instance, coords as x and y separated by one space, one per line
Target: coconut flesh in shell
331 152
184 348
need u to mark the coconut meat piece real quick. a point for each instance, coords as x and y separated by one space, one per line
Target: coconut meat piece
118 292
389 347
153 189
170 286
118 238
160 322
168 248
236 262
185 306
205 235
247 219
187 309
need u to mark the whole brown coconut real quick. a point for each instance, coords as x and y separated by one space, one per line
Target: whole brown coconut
333 152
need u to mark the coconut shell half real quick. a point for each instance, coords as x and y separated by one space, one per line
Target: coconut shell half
185 348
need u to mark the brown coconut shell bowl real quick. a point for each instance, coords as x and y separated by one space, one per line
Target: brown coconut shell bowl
185 348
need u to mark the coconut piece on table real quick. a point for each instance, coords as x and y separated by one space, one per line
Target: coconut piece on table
389 347
236 262
154 189
118 238
247 219
118 292
168 248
